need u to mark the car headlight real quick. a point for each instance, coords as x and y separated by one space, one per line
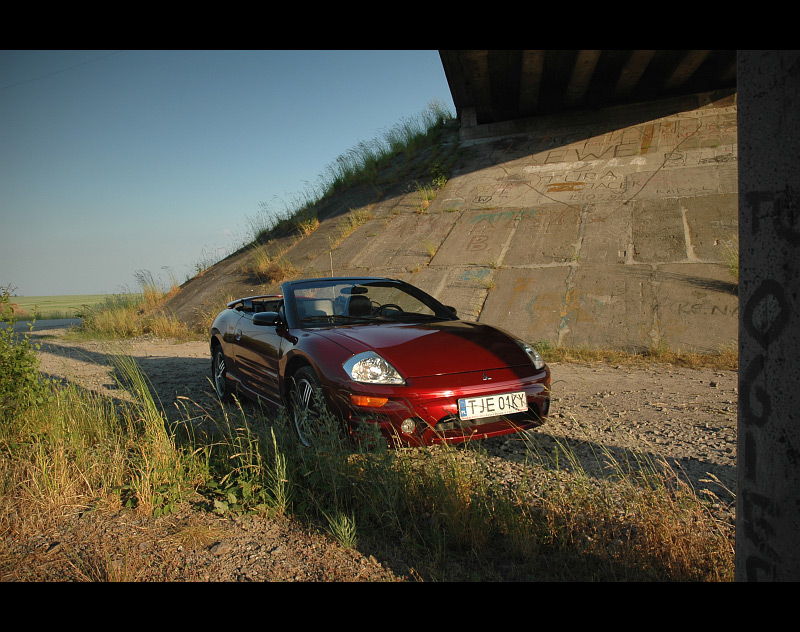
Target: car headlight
370 368
532 354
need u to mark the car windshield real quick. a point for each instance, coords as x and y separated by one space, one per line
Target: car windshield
326 302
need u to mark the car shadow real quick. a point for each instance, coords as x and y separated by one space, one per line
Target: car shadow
550 450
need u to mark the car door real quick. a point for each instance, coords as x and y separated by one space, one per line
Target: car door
257 356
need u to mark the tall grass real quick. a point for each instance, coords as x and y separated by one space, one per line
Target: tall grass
78 449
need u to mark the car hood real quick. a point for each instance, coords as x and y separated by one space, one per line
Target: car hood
421 350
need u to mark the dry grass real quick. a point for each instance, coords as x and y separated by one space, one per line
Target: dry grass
639 521
308 226
726 359
124 316
278 271
122 319
355 218
267 263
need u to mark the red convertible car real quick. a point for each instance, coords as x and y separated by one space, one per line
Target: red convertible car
378 350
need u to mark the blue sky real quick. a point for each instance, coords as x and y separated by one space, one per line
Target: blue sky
117 161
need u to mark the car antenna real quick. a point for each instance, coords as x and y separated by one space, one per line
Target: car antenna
330 253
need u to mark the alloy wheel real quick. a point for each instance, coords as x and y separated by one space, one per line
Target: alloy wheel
305 400
219 371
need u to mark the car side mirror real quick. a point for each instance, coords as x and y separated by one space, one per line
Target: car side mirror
268 319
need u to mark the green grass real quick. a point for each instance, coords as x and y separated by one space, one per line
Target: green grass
64 306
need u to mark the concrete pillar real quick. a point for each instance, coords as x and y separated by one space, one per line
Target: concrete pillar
768 487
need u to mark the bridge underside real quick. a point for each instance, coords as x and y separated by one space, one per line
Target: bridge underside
494 86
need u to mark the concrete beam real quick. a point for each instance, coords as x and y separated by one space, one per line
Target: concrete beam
768 490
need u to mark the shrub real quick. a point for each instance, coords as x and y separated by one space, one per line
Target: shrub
20 384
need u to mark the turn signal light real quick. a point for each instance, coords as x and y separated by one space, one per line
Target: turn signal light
366 400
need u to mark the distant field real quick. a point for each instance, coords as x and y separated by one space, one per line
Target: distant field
44 307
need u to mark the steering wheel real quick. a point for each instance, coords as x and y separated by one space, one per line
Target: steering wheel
389 305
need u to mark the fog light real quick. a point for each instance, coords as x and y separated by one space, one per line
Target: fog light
407 427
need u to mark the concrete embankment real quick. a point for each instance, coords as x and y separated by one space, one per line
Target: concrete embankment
610 230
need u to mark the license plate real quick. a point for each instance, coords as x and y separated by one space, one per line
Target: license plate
491 405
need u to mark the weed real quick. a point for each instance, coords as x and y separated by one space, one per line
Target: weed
730 253
426 193
636 521
482 277
132 315
343 529
430 247
277 481
308 226
355 218
152 292
207 260
197 535
259 261
278 271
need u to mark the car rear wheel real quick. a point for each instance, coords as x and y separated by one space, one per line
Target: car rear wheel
307 404
219 373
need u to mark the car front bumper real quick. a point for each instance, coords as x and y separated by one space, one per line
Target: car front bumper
429 406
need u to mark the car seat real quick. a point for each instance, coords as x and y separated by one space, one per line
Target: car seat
359 305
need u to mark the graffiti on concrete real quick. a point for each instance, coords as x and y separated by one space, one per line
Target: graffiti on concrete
477 242
685 309
765 317
504 218
476 274
781 207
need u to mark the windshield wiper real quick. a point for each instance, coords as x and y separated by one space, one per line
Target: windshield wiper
333 319
413 317
364 319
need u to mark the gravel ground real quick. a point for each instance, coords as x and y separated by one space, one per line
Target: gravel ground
685 416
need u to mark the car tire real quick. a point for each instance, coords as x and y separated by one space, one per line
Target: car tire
218 375
306 399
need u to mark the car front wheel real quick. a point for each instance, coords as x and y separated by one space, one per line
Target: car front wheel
307 404
219 373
